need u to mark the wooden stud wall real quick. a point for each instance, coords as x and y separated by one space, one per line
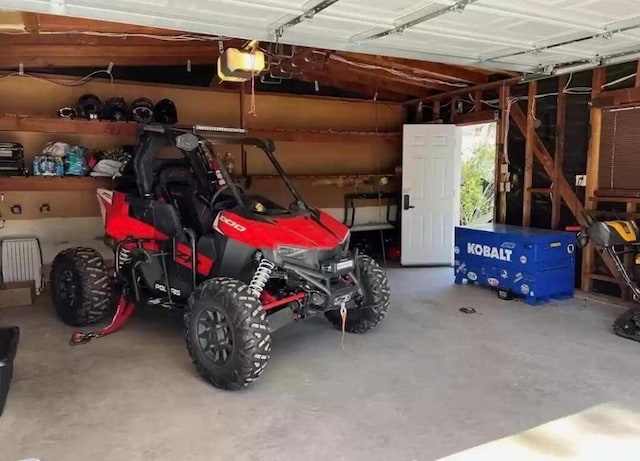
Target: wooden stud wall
528 154
562 192
345 154
558 158
501 181
593 158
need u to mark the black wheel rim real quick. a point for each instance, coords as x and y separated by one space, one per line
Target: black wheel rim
214 335
67 289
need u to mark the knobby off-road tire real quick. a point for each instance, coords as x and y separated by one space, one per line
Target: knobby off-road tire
376 291
81 286
227 333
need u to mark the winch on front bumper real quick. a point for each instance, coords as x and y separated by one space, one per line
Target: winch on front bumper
335 284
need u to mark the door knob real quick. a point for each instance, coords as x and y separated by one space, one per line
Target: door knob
405 203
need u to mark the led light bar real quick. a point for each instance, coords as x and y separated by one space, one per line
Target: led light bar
219 129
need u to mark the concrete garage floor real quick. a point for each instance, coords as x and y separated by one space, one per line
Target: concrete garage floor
428 383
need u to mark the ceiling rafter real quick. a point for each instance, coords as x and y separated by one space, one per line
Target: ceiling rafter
427 69
57 41
373 82
324 79
380 76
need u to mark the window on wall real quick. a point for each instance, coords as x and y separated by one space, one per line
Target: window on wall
619 168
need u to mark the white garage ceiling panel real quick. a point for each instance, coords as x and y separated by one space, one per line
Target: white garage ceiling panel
521 35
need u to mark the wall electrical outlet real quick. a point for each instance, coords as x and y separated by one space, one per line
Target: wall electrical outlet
581 180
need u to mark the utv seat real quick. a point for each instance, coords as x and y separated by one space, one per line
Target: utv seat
177 186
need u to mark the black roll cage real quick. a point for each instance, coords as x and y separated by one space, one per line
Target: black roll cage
155 136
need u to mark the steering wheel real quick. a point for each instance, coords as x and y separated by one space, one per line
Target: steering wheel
222 189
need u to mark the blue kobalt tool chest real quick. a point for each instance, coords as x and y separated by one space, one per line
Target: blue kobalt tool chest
535 263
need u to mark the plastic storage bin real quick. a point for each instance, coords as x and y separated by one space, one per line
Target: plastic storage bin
534 263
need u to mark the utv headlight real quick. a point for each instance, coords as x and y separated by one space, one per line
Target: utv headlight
293 252
301 256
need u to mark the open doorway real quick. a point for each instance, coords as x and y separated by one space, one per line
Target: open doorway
477 191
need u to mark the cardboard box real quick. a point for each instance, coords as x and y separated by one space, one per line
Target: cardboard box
15 294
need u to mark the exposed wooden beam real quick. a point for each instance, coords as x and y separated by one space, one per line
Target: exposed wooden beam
528 154
566 191
477 96
419 113
90 56
411 87
477 117
558 158
502 180
364 78
593 161
427 69
436 110
454 109
131 130
616 97
546 160
464 91
85 40
351 137
353 87
31 24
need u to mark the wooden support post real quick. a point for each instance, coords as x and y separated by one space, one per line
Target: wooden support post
419 113
593 159
528 154
454 108
638 75
478 99
566 190
558 158
501 181
436 110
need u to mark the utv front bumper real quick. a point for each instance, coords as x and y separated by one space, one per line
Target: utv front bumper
336 282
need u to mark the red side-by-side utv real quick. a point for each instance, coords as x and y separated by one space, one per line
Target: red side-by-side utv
185 235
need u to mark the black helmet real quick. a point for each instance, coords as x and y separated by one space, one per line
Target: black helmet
89 106
165 112
67 112
142 110
115 109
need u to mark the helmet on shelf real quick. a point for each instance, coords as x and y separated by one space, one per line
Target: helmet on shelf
89 106
115 109
67 112
142 110
165 112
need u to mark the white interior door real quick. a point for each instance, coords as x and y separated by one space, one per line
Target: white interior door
430 193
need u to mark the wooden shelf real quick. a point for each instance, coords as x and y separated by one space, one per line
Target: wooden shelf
53 183
67 126
327 136
98 127
615 199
